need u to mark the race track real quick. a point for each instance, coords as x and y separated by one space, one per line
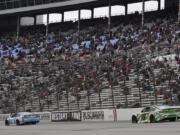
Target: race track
92 128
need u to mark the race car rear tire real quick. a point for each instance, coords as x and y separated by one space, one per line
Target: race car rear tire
134 119
6 122
152 119
34 123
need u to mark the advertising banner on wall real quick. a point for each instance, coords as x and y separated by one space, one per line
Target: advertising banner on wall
99 115
65 116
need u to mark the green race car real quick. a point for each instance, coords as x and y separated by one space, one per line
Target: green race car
156 114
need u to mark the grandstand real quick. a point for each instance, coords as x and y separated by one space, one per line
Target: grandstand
123 61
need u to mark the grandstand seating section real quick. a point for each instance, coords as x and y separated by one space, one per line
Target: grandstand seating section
135 67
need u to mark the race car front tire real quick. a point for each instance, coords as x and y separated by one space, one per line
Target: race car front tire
17 122
152 119
134 119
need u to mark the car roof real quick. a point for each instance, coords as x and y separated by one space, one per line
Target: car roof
162 107
165 107
24 113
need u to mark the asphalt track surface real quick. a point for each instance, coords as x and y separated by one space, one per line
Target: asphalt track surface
92 128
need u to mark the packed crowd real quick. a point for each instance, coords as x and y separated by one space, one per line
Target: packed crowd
41 66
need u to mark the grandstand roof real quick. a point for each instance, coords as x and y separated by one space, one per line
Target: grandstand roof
63 5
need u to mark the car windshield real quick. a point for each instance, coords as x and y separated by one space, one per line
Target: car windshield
13 115
146 109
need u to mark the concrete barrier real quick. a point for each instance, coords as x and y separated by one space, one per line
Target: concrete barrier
90 115
44 115
109 115
3 117
94 115
126 114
